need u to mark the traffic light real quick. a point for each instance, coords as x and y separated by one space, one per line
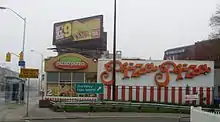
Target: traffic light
8 57
21 56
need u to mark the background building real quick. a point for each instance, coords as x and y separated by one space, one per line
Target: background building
180 53
6 72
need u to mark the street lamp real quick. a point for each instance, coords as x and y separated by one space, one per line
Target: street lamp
40 85
24 19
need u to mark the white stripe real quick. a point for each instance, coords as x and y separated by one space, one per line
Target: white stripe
105 92
190 93
183 95
133 93
162 94
119 93
148 94
169 94
126 93
176 95
141 93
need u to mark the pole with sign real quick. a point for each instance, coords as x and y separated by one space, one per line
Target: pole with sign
28 73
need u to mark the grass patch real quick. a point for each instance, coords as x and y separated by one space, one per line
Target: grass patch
110 108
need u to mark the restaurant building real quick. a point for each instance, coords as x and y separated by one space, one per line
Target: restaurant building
64 71
158 81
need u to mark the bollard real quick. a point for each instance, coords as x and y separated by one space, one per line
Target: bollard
179 119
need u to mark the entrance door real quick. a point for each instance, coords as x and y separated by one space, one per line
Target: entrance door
15 89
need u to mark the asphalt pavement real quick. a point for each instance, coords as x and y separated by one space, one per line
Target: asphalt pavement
139 119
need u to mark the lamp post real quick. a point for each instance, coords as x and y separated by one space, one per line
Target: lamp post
114 53
24 19
41 71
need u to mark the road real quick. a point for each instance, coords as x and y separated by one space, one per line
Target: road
116 120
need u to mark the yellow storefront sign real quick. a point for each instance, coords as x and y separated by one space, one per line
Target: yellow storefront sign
29 73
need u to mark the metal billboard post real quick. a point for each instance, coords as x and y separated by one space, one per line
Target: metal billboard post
28 97
114 54
28 73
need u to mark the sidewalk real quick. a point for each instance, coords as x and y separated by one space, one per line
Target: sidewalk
16 112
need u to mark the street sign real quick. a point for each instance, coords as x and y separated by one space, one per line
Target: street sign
29 73
21 63
89 88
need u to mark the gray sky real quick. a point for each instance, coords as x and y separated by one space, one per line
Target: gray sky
145 27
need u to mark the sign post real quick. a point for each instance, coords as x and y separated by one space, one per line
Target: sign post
28 73
28 90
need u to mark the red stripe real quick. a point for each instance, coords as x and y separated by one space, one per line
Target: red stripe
151 93
123 93
173 95
180 95
137 93
116 92
130 93
187 93
194 92
201 95
158 94
144 94
109 92
101 96
208 96
166 95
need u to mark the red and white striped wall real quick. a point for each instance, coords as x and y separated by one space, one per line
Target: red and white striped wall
175 95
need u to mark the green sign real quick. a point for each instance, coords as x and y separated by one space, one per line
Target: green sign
89 88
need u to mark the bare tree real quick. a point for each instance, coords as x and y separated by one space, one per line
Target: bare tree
215 24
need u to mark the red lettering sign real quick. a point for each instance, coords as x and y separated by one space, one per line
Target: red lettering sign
163 71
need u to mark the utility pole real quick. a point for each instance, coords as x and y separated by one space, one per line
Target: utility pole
114 54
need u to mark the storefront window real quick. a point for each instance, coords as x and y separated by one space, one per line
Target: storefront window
52 77
63 83
77 77
91 77
52 89
65 76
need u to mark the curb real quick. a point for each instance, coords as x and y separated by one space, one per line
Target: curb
94 117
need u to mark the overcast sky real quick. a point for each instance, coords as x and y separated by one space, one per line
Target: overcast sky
144 27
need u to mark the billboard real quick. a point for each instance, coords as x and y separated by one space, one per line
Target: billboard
70 32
